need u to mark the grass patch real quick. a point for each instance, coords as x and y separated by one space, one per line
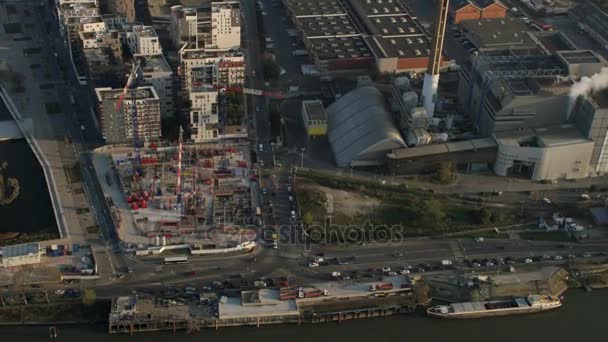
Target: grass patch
82 210
93 229
52 107
546 236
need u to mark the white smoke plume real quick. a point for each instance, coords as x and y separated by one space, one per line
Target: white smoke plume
587 85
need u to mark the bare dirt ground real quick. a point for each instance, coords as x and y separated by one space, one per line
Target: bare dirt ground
344 202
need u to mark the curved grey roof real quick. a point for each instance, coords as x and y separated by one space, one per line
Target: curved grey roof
360 129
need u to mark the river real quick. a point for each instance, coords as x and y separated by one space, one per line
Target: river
582 318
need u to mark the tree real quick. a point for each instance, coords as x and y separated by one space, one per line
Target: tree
485 216
429 213
307 218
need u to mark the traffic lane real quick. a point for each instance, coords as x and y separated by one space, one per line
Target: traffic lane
277 30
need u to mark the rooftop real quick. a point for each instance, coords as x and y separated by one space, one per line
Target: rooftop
153 63
207 53
20 250
373 8
455 146
403 25
343 47
542 137
315 110
263 303
314 27
554 41
499 33
579 57
304 8
481 4
144 31
403 47
114 94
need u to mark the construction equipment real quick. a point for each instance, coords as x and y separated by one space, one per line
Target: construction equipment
132 82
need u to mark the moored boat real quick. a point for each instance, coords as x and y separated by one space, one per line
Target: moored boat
503 307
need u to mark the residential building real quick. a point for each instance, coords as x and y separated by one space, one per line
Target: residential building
225 24
204 106
143 40
125 8
117 124
184 26
19 255
158 74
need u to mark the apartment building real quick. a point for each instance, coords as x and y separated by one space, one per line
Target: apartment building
118 125
158 74
204 118
123 7
143 40
184 25
225 24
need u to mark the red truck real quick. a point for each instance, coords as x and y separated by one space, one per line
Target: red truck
381 287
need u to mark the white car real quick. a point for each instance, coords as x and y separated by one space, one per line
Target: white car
404 272
313 264
386 269
528 261
558 257
546 200
391 273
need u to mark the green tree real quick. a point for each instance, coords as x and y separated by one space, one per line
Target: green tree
445 172
429 213
485 216
307 218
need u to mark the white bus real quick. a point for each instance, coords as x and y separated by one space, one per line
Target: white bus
175 260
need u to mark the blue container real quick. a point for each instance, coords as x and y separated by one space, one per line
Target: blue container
75 247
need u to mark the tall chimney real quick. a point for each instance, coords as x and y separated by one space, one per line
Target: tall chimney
431 78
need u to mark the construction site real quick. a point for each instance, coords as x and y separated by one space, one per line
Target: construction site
184 194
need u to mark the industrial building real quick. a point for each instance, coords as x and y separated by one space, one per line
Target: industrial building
19 255
356 35
157 73
500 36
314 118
557 152
117 123
360 129
590 115
461 10
592 20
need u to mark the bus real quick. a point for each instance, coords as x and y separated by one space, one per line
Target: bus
175 260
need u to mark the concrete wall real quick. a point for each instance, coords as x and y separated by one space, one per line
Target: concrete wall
556 162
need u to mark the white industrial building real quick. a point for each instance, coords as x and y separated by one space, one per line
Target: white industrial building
19 255
557 152
143 40
225 24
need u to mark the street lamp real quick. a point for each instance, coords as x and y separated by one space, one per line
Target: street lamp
302 157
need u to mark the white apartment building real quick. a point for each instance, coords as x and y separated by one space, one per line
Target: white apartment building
203 103
230 66
143 40
184 23
158 74
225 24
117 125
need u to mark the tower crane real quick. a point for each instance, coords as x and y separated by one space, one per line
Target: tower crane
132 82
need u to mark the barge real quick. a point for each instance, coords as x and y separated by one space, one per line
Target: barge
505 307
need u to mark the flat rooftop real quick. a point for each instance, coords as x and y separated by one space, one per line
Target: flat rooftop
451 147
402 47
580 57
553 136
153 63
315 110
304 8
373 8
144 31
554 41
264 302
499 33
313 27
20 250
114 94
207 53
403 25
339 48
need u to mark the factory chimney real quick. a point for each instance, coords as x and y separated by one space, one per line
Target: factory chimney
431 78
